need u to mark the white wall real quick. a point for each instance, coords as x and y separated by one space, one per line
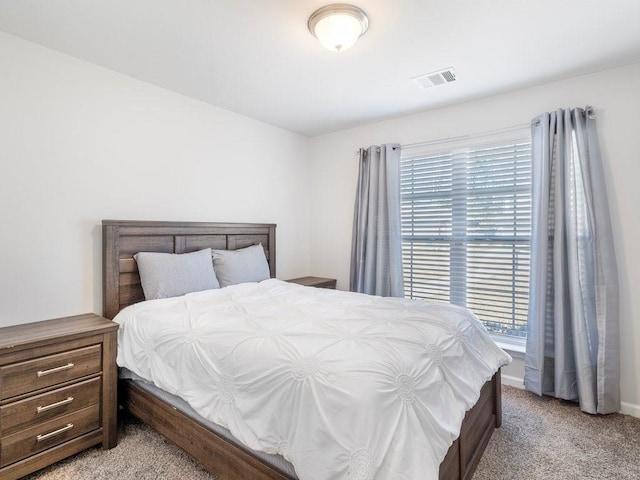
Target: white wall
79 144
615 96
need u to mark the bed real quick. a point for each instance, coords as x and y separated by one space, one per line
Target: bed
215 450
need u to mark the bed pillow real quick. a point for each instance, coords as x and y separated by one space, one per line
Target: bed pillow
239 266
170 275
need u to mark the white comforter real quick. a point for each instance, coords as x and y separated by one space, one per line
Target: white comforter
343 385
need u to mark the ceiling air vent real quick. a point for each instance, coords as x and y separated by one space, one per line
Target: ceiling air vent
434 79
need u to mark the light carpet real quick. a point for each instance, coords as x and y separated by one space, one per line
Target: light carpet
541 438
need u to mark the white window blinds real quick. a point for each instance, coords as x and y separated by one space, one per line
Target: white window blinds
466 229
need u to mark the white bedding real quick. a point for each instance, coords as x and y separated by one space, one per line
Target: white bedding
343 385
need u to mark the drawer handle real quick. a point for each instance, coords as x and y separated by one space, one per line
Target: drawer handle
55 405
44 436
42 373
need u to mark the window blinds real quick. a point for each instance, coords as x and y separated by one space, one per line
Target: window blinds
466 229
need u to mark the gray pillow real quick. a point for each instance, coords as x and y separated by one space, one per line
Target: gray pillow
170 275
239 266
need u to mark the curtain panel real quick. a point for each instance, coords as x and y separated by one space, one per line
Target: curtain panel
572 339
376 249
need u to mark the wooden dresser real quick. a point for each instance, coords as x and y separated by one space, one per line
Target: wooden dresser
57 391
318 282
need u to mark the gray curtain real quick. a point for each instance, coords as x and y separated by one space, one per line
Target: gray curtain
572 339
376 249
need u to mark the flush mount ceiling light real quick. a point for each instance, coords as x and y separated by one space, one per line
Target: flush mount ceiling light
338 25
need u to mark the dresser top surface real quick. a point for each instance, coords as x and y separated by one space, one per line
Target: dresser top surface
28 335
306 281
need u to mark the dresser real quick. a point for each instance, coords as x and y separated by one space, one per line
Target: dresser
58 393
318 282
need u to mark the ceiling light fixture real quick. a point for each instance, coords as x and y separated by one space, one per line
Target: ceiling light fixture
338 25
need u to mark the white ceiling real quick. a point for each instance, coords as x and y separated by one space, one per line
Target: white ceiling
257 58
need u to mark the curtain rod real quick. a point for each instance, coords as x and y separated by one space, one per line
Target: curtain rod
513 128
588 110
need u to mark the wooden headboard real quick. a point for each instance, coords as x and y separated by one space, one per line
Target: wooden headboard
121 239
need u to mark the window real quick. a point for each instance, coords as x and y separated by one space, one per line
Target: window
466 229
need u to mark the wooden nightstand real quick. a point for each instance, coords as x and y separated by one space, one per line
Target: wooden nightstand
318 282
58 395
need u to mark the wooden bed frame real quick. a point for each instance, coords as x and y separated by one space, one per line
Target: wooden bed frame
230 461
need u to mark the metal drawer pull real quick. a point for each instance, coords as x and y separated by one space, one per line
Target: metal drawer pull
55 405
42 373
44 436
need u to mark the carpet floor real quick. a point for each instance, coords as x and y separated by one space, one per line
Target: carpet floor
541 438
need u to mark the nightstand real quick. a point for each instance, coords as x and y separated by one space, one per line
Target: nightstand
58 396
318 282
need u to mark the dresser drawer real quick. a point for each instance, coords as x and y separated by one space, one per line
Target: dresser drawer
48 434
43 372
23 414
